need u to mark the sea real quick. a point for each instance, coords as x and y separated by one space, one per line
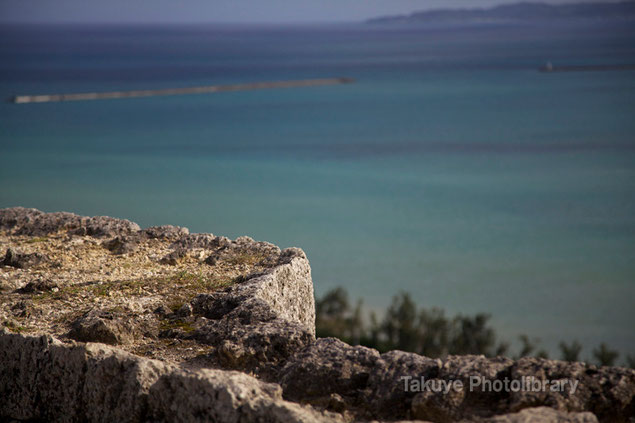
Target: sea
452 168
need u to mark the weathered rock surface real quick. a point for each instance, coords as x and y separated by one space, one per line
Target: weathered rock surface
530 415
168 232
542 415
120 245
32 222
329 367
386 387
108 290
205 306
285 292
362 377
19 260
44 379
100 326
257 346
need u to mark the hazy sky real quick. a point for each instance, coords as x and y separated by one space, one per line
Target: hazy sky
196 11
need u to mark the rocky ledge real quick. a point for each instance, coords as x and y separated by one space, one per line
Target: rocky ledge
104 321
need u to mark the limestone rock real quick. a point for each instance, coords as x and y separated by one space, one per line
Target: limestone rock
168 232
174 257
185 310
211 260
99 326
387 390
120 245
328 366
280 300
243 249
261 322
191 241
33 222
44 379
607 392
20 260
323 370
542 415
38 286
256 346
224 397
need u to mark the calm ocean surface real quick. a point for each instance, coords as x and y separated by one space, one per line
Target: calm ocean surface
451 169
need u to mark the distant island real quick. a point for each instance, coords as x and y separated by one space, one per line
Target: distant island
517 12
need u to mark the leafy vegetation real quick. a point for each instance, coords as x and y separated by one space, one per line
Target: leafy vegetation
604 355
429 332
571 352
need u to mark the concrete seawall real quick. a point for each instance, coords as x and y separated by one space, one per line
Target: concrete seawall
46 98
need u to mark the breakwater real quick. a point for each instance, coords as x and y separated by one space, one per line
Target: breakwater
585 68
46 98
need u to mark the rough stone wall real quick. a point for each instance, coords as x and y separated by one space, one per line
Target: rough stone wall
43 378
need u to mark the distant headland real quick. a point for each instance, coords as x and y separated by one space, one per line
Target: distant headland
517 12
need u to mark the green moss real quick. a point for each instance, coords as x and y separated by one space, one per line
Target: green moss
175 290
101 290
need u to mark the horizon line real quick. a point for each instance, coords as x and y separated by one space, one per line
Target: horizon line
311 22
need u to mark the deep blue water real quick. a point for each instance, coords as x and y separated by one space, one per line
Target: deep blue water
451 168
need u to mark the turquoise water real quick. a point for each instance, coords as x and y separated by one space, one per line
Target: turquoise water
451 169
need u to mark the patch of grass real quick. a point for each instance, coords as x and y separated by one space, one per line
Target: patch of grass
65 296
14 327
183 286
116 309
102 290
174 290
186 327
69 317
245 259
130 287
37 239
187 278
197 280
175 306
65 293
